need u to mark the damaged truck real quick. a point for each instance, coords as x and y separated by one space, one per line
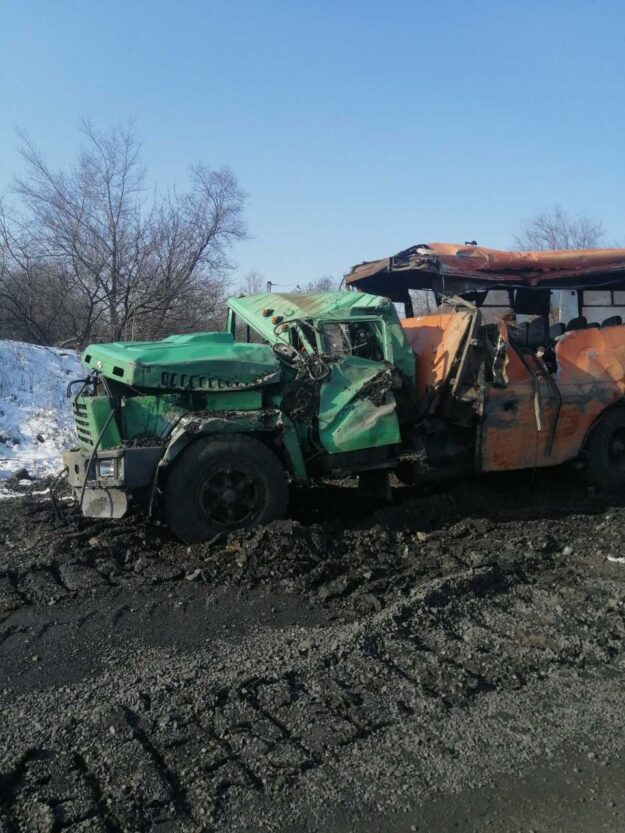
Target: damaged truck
209 430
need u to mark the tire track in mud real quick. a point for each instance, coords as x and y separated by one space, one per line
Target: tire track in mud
266 732
420 623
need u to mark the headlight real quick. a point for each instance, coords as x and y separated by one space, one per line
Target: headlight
106 468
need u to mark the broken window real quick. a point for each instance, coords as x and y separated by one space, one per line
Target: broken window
601 304
302 335
597 298
335 338
358 338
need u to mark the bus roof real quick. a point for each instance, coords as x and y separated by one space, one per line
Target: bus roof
454 268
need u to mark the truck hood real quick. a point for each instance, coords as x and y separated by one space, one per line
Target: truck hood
203 361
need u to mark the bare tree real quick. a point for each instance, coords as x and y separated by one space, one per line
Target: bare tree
188 264
556 228
120 265
253 283
324 283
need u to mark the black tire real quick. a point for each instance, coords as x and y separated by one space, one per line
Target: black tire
606 452
223 483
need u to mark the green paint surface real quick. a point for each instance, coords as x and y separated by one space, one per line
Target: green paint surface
220 380
349 420
91 414
200 361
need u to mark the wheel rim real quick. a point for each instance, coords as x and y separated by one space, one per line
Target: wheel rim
230 496
616 449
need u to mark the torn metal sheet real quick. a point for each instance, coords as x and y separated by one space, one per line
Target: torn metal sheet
590 377
435 340
452 267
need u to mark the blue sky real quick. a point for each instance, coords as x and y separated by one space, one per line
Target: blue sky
356 128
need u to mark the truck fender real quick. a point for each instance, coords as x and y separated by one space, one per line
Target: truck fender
264 425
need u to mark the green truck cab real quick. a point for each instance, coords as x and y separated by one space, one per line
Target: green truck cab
209 429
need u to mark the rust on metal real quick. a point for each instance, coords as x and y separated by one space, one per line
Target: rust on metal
525 398
534 412
429 265
589 377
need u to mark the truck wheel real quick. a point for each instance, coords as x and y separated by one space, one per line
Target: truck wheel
219 484
606 451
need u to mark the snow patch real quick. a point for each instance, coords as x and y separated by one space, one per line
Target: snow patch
36 419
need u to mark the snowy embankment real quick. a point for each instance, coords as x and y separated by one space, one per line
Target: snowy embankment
36 420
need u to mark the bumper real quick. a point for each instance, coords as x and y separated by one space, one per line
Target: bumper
105 484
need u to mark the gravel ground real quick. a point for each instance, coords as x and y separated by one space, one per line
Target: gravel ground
450 662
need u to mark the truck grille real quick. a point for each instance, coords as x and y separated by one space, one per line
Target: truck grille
81 418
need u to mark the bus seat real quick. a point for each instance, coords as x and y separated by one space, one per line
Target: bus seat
579 323
518 334
556 330
537 335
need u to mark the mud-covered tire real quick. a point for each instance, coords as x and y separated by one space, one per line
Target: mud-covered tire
221 484
605 451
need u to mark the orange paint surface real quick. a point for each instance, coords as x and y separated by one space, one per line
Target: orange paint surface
435 340
590 378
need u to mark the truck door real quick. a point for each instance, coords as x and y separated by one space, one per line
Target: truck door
357 407
520 415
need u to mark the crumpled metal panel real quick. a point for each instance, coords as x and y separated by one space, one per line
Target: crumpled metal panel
264 310
356 408
590 378
435 341
426 265
198 361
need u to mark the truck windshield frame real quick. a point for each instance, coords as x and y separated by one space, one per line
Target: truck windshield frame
231 327
341 342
